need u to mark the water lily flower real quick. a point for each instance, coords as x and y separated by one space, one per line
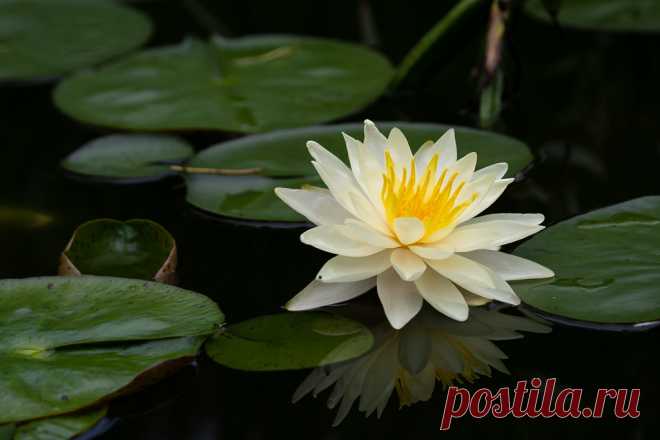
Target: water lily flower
407 225
431 349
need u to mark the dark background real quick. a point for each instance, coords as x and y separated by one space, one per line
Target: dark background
586 103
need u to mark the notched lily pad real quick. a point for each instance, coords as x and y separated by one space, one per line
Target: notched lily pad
44 38
289 341
67 343
283 160
249 84
603 15
62 427
606 262
128 158
133 249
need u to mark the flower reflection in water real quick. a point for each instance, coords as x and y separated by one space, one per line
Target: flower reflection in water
432 348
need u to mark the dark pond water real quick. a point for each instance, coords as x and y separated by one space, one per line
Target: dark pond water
586 103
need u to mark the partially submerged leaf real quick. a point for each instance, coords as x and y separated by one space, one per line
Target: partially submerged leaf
69 342
249 84
62 427
606 262
128 158
289 341
44 38
133 249
284 161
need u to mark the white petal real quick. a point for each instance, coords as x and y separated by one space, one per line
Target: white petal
353 146
409 229
344 269
474 300
360 231
400 299
317 205
327 159
525 219
445 148
408 265
509 267
488 234
495 191
442 295
474 278
367 170
433 251
365 211
399 147
375 142
339 184
439 235
318 294
330 238
464 167
476 188
497 169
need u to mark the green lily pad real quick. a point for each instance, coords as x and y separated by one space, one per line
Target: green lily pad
62 427
67 343
133 249
604 15
128 158
249 84
284 161
606 262
289 341
44 38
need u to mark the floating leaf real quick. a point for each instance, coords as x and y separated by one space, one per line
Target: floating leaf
62 427
133 249
605 15
289 341
606 262
43 38
67 343
249 84
284 161
128 158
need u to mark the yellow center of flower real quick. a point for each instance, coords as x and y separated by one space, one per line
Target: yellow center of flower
432 199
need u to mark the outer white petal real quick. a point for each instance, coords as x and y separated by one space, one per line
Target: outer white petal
478 187
442 295
433 251
344 269
318 294
368 171
399 147
360 231
464 167
317 205
330 238
526 219
339 184
475 278
400 299
407 265
489 234
374 140
495 191
497 169
408 229
509 267
365 211
327 159
475 300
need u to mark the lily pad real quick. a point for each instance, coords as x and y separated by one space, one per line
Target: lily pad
62 427
604 15
284 161
249 84
44 38
133 249
67 343
606 262
128 158
289 341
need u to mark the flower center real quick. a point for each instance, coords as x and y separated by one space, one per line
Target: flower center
432 199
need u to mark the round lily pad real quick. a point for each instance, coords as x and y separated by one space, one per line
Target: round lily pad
604 15
133 249
128 158
249 84
44 38
606 262
283 160
289 341
67 343
62 427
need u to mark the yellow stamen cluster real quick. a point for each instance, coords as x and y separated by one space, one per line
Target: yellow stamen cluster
431 199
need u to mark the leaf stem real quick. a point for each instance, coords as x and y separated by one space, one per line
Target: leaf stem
217 171
441 28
